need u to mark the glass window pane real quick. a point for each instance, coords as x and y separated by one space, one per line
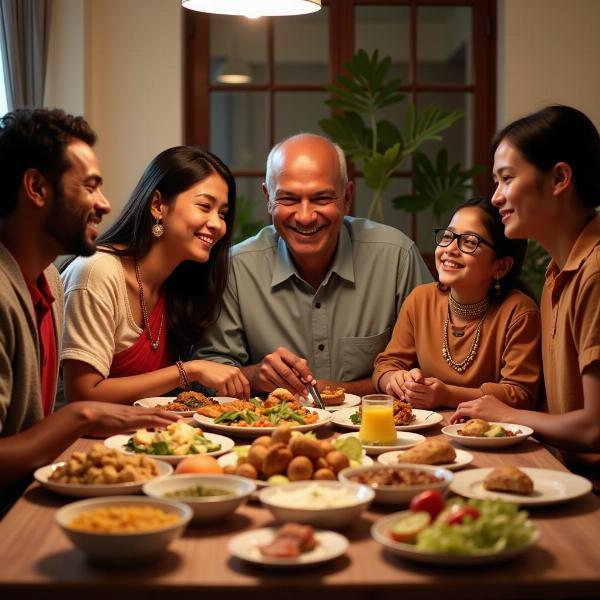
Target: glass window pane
444 45
458 139
238 128
298 112
388 29
392 216
238 46
302 48
251 209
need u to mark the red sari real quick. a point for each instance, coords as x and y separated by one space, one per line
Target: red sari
140 358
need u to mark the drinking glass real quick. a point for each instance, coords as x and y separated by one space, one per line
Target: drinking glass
377 423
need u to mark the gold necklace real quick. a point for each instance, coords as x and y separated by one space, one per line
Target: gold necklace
468 311
153 342
463 364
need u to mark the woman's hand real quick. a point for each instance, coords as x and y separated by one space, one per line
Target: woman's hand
429 393
396 381
225 379
486 407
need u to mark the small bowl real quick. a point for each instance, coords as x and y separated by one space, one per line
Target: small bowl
123 548
396 494
274 498
209 509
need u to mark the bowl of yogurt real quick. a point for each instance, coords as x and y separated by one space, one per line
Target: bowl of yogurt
328 504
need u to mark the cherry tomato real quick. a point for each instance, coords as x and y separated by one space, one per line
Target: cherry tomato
458 516
406 528
429 501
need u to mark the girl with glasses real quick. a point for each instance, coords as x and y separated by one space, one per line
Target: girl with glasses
547 170
475 332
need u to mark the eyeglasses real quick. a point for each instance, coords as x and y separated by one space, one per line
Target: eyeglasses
467 242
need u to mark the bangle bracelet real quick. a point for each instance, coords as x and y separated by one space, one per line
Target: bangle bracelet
184 382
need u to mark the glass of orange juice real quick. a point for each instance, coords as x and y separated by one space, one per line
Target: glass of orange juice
377 421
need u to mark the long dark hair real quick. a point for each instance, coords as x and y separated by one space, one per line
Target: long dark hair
194 290
503 247
559 134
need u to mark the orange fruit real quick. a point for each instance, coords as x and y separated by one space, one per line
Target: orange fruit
199 463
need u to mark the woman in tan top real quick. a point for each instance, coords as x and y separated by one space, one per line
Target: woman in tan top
474 333
547 168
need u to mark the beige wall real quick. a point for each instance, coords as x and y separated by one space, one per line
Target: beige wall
548 52
119 63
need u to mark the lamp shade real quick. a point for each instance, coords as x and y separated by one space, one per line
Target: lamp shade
234 70
254 8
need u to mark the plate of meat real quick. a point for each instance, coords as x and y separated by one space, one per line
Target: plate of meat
291 545
184 405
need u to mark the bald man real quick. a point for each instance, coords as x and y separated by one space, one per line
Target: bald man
316 294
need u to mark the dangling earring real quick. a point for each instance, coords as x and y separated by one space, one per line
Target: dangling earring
158 228
497 287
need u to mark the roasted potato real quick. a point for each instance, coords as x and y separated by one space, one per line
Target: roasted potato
300 468
304 445
337 460
276 460
324 475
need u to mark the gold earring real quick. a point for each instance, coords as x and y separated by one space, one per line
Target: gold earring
158 228
497 286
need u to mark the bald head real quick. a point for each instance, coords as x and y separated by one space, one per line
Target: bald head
304 149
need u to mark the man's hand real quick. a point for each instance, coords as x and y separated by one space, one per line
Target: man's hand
104 419
282 368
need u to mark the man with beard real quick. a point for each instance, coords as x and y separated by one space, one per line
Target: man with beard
316 294
50 204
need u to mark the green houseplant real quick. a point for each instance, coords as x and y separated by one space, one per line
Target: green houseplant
381 148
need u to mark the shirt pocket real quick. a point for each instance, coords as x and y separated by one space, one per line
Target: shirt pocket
358 354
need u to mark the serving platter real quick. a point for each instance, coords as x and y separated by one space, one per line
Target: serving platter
88 490
521 434
203 421
245 547
118 442
380 533
404 440
423 419
549 487
462 459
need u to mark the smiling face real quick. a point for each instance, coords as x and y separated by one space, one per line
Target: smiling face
195 220
308 200
522 195
469 275
79 203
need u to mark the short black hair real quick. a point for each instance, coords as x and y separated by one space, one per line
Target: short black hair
36 139
559 134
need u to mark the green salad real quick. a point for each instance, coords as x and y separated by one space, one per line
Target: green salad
499 526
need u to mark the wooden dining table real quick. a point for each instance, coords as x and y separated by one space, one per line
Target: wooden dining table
37 560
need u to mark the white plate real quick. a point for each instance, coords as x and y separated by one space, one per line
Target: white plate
86 490
404 441
324 417
161 401
245 546
118 442
463 458
231 459
549 487
423 419
484 442
380 530
349 401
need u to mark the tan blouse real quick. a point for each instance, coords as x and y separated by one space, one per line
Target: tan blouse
507 364
571 327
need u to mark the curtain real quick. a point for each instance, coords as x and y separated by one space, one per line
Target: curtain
24 32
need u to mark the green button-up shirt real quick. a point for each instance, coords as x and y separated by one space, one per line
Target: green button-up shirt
340 327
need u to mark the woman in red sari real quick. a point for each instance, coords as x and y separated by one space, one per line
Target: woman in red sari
156 282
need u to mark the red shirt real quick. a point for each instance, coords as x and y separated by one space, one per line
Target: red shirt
42 302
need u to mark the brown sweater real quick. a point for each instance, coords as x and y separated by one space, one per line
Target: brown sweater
508 363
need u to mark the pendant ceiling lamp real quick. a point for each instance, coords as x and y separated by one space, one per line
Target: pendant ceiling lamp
254 8
235 70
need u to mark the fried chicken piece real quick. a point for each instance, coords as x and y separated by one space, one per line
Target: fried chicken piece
508 479
290 541
279 395
333 396
403 414
429 452
474 428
